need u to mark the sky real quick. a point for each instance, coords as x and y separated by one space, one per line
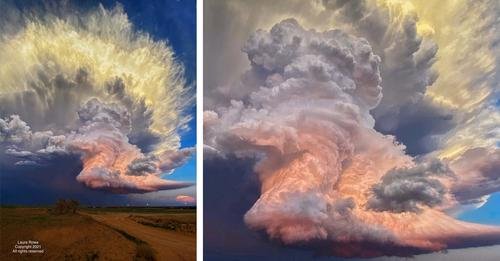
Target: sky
131 87
351 129
486 214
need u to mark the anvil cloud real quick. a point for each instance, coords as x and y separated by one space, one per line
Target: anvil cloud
89 84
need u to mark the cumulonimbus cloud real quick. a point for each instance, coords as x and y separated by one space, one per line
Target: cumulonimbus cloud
89 84
328 179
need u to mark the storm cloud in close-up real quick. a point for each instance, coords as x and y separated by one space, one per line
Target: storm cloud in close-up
95 104
350 128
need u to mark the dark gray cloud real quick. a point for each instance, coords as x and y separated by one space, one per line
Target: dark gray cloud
420 128
407 189
142 166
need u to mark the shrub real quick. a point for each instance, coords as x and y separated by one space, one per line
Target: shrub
63 206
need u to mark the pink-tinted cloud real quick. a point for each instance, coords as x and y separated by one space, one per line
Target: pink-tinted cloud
327 177
185 199
124 129
110 161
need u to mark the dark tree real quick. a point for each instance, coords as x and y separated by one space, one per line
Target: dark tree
63 206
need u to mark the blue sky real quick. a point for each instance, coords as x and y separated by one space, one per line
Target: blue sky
489 213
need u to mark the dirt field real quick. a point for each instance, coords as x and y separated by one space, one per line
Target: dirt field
64 237
185 223
105 234
167 244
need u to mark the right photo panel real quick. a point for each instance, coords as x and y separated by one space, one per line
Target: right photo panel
362 129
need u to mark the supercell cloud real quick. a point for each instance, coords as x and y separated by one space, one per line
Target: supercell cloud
91 86
311 110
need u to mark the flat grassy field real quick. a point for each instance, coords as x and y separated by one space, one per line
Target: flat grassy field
145 210
114 233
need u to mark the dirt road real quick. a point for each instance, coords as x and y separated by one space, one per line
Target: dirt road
168 245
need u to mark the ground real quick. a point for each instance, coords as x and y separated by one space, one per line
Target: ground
100 234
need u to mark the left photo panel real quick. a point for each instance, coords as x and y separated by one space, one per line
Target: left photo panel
98 130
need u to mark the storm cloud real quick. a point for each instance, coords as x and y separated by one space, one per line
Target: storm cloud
303 111
86 85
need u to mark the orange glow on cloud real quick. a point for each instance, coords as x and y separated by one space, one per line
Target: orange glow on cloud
185 199
114 96
306 119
